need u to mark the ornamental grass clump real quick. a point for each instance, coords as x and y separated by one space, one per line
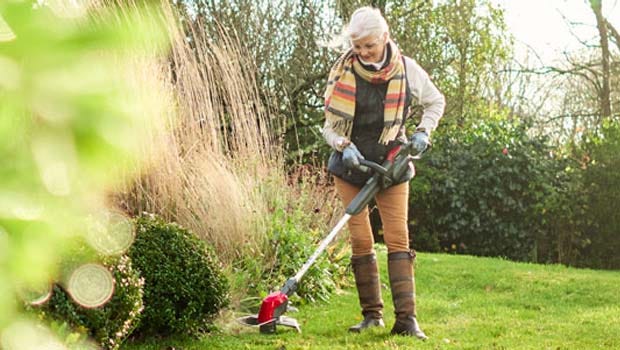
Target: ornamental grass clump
216 147
184 287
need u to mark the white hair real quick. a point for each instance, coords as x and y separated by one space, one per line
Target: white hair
366 21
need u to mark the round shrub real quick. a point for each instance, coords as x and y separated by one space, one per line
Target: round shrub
111 323
184 287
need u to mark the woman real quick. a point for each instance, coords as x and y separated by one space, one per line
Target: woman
370 90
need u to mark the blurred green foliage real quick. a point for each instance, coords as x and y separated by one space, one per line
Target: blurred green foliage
110 324
67 125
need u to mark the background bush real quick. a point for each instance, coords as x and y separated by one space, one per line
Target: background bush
111 323
184 285
493 189
480 191
564 221
601 190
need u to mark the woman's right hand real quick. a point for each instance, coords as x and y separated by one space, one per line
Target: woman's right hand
341 143
351 157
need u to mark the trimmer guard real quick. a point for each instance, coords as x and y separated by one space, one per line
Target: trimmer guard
270 326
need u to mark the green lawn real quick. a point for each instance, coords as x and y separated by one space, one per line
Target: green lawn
463 303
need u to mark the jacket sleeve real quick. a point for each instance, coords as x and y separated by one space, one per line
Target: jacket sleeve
426 94
332 138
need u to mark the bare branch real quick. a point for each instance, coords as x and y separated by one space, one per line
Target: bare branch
614 33
571 24
581 114
604 93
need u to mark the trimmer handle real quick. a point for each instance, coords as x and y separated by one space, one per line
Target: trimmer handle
374 166
394 167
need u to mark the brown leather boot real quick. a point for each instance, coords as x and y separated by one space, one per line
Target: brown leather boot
400 268
369 291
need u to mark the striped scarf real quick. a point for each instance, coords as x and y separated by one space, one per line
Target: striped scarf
340 93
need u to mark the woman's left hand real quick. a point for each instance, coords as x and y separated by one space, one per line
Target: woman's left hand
420 141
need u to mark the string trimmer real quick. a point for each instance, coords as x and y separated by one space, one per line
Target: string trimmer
274 305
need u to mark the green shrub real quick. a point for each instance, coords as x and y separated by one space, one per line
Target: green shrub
481 191
494 189
292 242
301 212
111 323
602 191
184 286
564 231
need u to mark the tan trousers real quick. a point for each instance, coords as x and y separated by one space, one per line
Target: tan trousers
393 205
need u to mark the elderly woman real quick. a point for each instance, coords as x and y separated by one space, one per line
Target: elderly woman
370 90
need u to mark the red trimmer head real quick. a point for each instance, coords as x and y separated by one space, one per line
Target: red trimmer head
272 309
270 304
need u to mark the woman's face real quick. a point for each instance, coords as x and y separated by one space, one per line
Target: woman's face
370 48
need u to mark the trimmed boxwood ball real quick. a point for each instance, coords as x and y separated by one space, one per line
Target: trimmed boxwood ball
184 287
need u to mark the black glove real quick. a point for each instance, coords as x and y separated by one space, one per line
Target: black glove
351 157
420 141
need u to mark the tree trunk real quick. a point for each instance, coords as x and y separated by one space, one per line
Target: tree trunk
604 93
614 33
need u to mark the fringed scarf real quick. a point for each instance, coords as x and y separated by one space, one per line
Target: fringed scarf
340 93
